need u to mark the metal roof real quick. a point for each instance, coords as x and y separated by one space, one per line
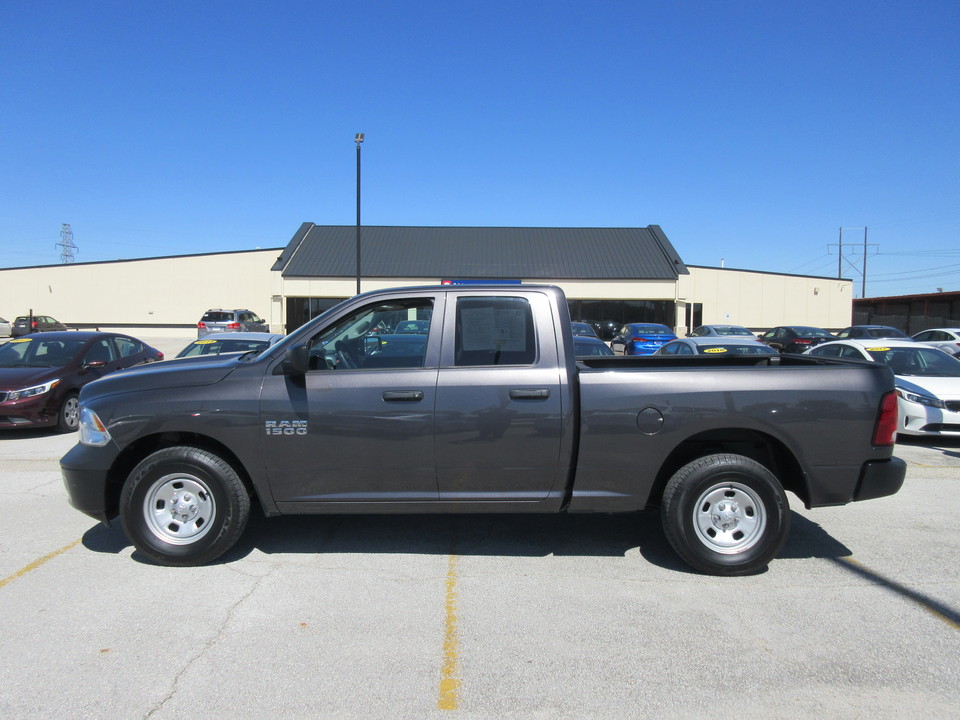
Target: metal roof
481 253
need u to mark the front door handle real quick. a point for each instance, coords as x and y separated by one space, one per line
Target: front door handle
403 395
530 394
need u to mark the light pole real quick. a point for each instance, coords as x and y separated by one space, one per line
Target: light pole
358 139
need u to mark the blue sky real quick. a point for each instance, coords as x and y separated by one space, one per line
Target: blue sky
749 131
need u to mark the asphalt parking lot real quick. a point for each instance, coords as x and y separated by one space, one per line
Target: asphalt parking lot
477 617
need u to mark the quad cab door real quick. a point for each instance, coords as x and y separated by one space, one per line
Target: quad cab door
356 429
500 402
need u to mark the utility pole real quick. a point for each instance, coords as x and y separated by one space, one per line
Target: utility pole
862 270
66 244
358 139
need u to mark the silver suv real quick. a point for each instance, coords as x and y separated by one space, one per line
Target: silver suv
218 320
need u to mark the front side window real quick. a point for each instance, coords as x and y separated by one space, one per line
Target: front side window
494 331
365 339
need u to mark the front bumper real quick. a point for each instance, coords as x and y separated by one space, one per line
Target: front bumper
85 472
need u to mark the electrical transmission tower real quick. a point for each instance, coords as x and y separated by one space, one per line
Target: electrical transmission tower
66 244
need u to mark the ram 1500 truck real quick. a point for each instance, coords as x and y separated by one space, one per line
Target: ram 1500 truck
487 410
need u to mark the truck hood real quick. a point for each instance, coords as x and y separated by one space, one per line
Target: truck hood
179 373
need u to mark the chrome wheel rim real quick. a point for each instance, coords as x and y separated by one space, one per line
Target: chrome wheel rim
729 518
179 509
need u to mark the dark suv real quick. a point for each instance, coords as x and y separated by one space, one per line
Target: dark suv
218 320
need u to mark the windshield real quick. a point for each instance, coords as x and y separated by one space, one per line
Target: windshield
217 347
731 349
812 332
920 362
33 352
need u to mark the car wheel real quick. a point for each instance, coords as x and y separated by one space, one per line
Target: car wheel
725 514
184 506
68 419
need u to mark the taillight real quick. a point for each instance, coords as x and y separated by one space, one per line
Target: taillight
201 324
34 324
885 431
233 326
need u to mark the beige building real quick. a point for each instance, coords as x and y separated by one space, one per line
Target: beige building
611 275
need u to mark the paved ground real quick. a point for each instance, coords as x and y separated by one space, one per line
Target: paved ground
480 617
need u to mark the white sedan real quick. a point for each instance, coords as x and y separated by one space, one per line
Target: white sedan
928 381
946 339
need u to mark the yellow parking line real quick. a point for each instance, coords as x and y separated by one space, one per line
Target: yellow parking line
37 563
450 672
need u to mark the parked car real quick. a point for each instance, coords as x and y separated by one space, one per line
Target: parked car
722 331
641 339
415 327
928 381
590 345
5 328
582 329
230 343
795 338
946 339
716 346
25 324
868 332
218 320
41 377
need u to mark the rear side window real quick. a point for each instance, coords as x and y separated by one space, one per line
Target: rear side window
494 331
128 346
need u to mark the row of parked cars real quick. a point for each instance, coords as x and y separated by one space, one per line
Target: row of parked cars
926 366
43 366
41 374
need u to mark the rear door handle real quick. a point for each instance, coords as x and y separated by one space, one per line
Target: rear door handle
403 395
530 394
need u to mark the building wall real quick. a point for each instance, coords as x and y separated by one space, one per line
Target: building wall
167 295
764 300
150 293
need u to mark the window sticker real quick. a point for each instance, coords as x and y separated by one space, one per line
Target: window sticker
877 349
20 340
486 328
715 350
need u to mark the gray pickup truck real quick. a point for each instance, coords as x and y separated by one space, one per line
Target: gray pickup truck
487 410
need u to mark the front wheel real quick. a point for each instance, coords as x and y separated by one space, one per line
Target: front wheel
184 506
725 514
68 419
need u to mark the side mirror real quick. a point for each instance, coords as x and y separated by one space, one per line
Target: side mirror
297 360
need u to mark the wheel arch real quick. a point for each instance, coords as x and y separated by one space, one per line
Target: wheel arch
136 451
761 447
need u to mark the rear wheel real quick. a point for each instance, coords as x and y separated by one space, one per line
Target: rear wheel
725 514
184 506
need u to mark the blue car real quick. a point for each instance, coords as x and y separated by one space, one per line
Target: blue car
641 339
585 345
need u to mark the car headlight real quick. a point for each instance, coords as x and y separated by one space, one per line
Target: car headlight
32 391
927 400
92 430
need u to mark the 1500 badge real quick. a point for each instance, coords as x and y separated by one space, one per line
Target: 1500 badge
286 427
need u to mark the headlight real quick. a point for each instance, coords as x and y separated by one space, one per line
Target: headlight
92 430
927 400
32 391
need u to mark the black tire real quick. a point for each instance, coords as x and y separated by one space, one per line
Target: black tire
725 515
68 417
184 506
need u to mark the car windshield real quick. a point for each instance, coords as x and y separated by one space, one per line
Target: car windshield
32 352
650 329
811 332
731 330
217 317
731 349
923 362
218 347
